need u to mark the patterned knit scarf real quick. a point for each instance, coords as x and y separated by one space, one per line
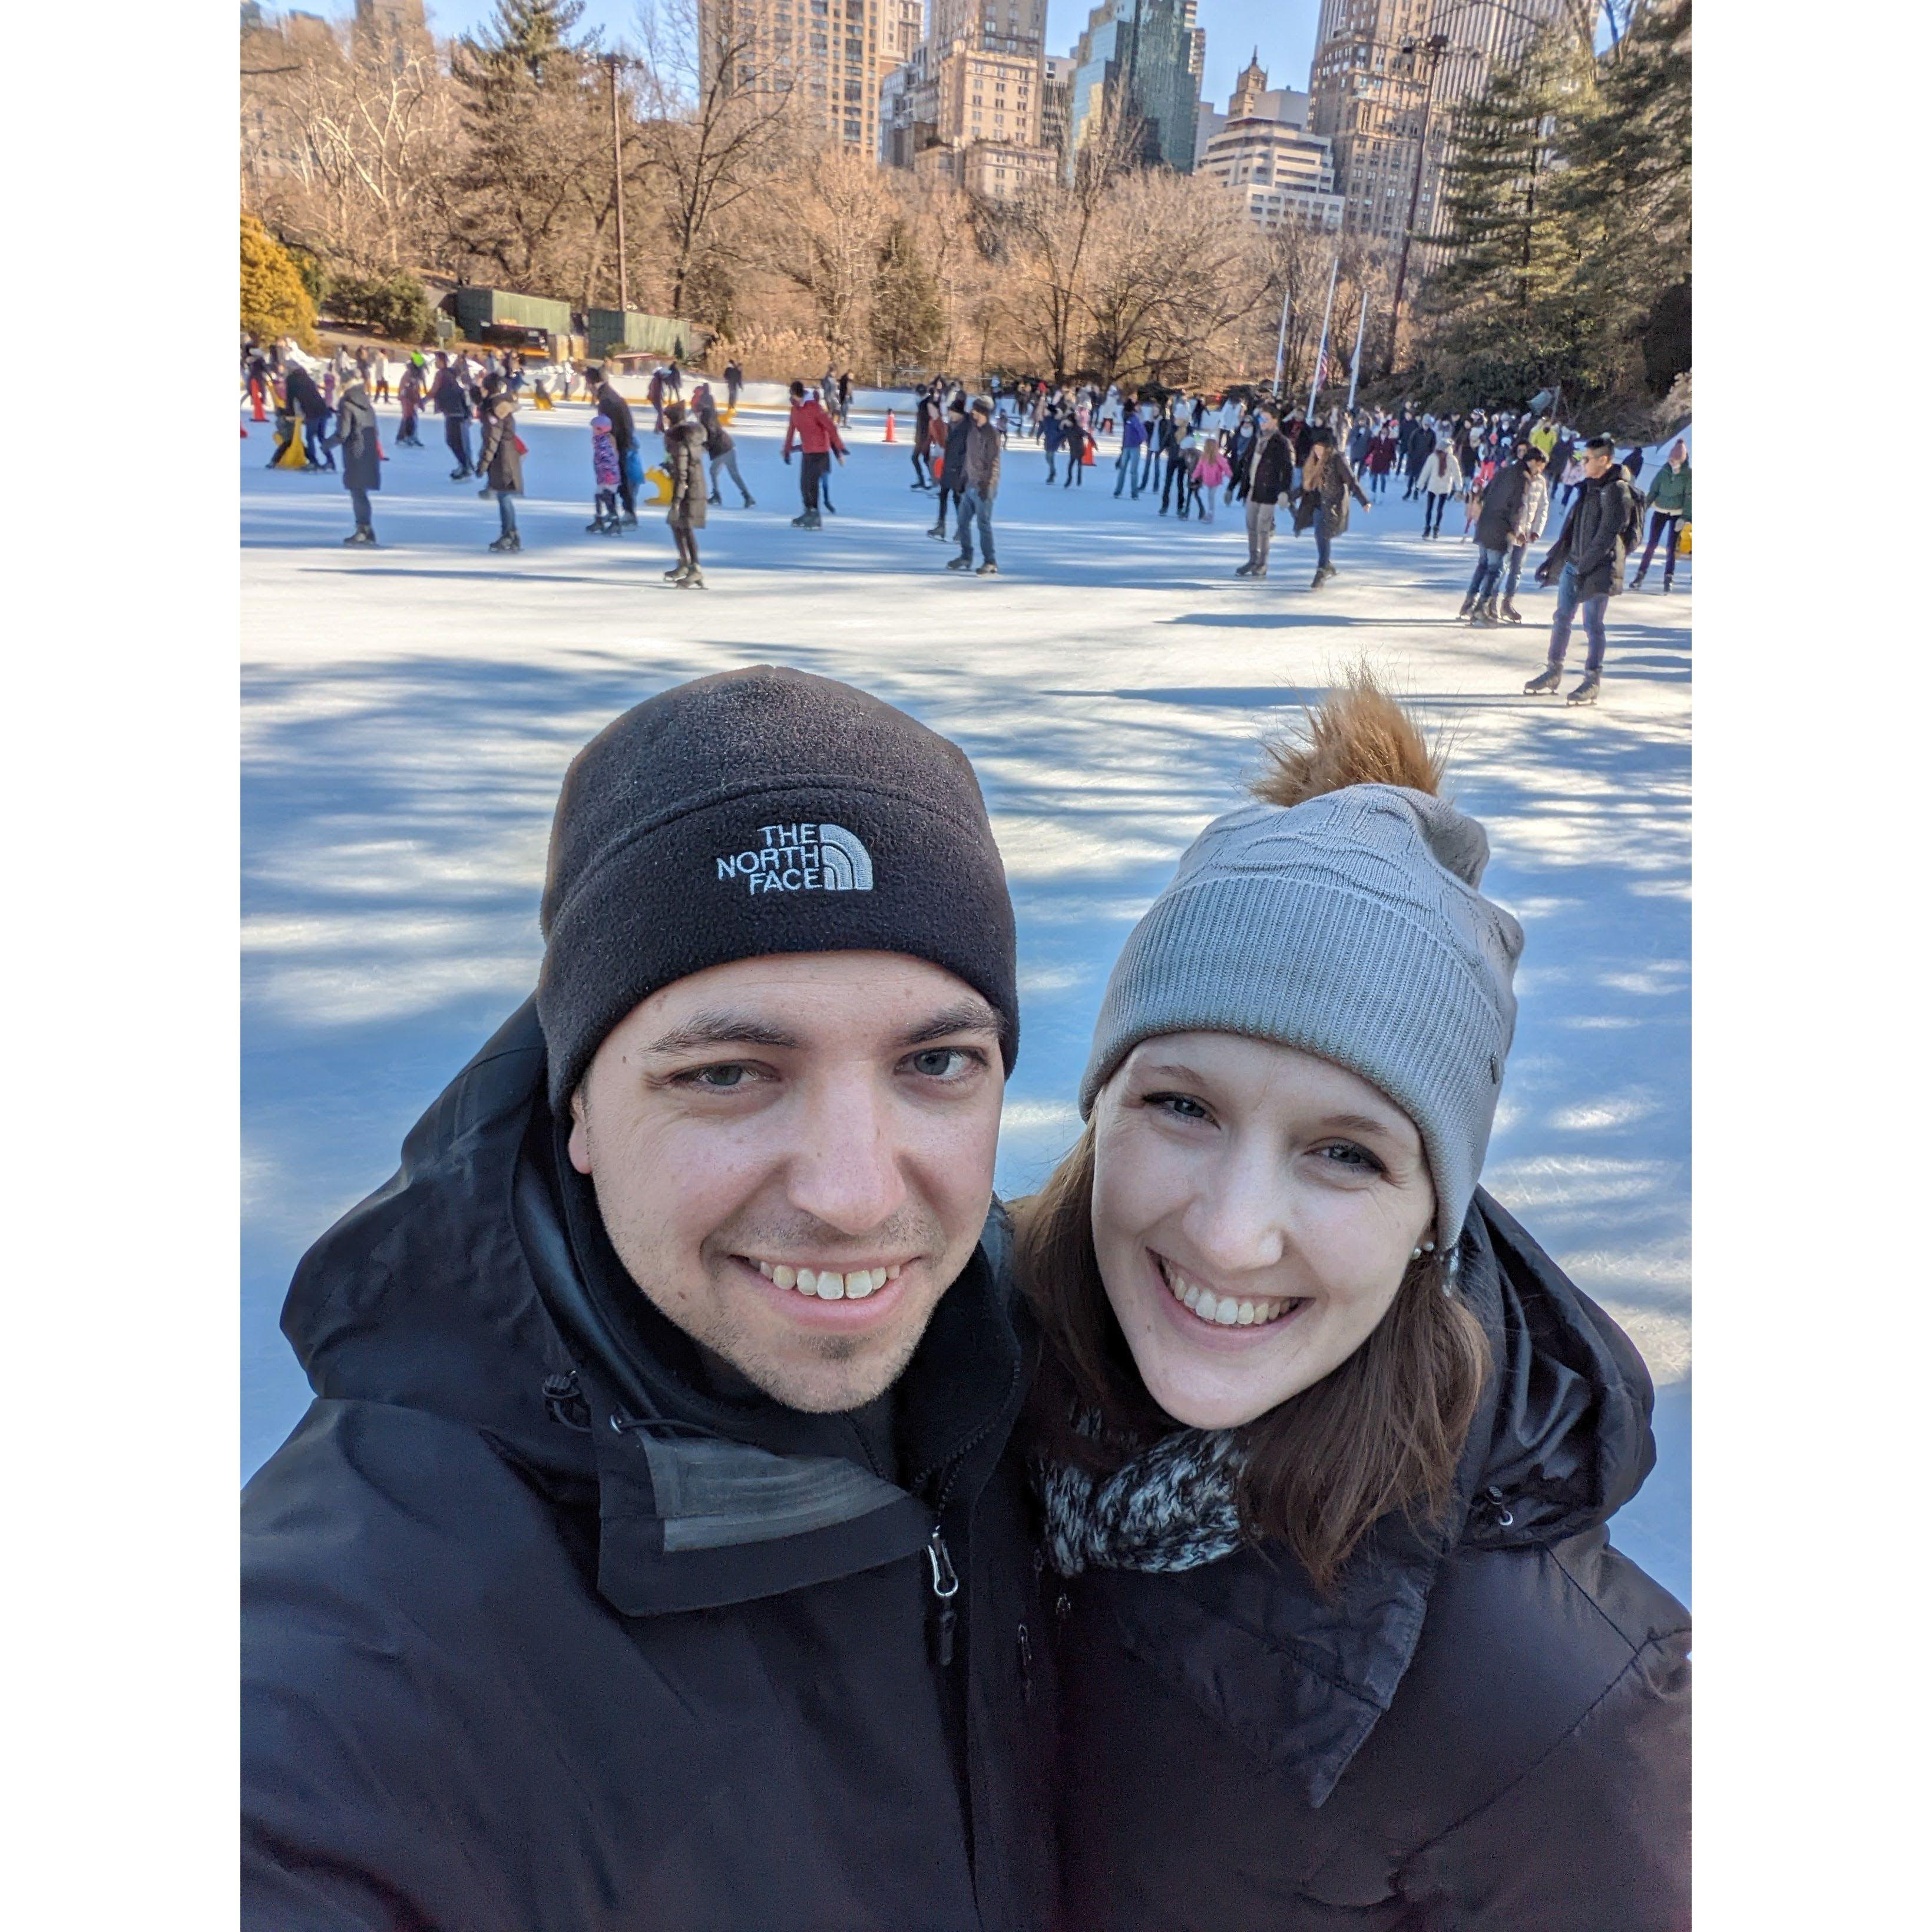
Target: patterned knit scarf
1170 1507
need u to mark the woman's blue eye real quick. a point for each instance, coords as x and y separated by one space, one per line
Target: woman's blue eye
1183 1106
1345 1153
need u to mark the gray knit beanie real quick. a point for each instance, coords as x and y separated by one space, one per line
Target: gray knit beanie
1349 925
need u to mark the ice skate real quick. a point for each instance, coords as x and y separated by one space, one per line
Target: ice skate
988 569
362 535
1586 691
1246 570
509 540
1469 605
1484 615
693 579
1545 681
749 500
1510 611
959 563
677 573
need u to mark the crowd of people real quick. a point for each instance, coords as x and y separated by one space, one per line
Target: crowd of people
1511 472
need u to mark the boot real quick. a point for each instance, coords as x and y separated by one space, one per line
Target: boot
963 561
1586 692
937 530
1510 611
813 521
1484 614
1469 605
748 500
715 498
1545 682
1246 570
988 569
510 540
595 527
1636 582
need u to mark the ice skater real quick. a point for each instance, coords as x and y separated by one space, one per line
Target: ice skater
1587 561
354 435
1668 502
606 468
684 460
719 446
818 440
1441 478
981 462
449 396
1328 478
502 460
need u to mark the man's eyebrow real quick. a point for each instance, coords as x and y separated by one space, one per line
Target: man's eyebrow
721 1029
963 1016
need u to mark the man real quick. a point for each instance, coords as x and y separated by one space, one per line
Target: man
734 382
1268 472
926 418
982 461
1127 465
1669 502
819 441
952 466
1501 517
623 433
306 399
1421 447
449 397
651 1556
1589 556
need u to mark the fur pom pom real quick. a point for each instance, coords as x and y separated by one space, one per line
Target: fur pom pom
1360 736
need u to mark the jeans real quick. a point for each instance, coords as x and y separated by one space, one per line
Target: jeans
919 469
1663 523
814 465
1147 467
1568 602
1321 543
358 501
1175 479
1261 532
1128 466
1488 573
726 462
506 511
1432 502
975 508
456 433
312 443
1518 552
1074 466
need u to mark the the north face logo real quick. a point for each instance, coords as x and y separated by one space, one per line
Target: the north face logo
802 858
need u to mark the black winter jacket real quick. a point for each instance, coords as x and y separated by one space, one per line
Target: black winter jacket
953 472
450 395
1486 1731
684 461
1597 535
354 435
303 394
1502 507
1274 464
623 431
545 1631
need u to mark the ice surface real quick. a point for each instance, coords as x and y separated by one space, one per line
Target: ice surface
408 711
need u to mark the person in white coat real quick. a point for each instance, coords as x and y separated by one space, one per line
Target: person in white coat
1442 479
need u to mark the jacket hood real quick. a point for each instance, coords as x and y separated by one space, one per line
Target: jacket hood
1562 1441
477 1285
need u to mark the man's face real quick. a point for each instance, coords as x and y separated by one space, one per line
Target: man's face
770 1128
1595 462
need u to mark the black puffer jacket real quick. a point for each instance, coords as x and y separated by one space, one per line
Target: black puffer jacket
1487 1732
1596 536
545 1631
684 462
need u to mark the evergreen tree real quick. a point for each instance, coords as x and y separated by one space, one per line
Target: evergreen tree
274 302
527 36
1496 312
908 321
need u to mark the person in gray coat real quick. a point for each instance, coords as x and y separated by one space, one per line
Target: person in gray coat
354 435
982 484
502 460
684 458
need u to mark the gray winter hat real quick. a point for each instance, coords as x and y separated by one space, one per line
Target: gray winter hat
1348 925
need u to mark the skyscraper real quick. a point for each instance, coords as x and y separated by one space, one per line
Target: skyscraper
992 26
1379 65
1140 59
828 54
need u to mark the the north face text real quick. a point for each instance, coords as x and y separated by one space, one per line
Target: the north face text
803 858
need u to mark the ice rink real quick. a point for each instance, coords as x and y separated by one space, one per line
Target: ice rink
408 712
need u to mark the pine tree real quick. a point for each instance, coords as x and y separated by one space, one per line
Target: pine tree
1496 312
527 36
274 302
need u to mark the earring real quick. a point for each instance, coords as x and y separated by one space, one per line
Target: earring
1427 1248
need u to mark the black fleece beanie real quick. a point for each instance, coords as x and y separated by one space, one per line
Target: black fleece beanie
759 812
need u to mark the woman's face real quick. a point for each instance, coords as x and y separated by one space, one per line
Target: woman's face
1255 1208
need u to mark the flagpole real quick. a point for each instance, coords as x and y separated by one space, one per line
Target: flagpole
1355 367
1281 342
1321 353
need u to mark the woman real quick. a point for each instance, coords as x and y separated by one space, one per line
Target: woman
684 458
1327 1443
1327 479
354 435
1669 498
502 460
1441 478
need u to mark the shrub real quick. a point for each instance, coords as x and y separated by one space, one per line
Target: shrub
274 302
393 305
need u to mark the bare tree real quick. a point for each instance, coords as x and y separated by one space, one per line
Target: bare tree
717 123
346 136
821 228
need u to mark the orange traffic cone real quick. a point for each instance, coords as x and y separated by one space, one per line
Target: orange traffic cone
892 431
255 397
1087 454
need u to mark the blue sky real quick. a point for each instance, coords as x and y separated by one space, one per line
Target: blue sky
1283 29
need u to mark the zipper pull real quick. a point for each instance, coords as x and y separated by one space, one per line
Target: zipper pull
945 1588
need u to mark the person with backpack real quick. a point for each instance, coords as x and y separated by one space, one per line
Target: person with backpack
1587 560
449 397
1669 502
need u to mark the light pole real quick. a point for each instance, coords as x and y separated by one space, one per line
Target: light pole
612 62
1435 47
